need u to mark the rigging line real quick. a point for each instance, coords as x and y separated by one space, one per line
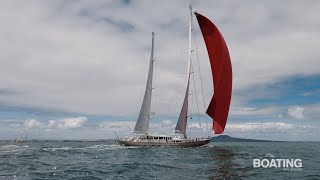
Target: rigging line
173 99
196 95
197 52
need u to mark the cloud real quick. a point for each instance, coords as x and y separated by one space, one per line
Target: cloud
272 130
124 128
59 67
296 112
312 111
68 123
64 123
117 125
246 111
266 127
32 123
195 126
167 122
61 129
309 93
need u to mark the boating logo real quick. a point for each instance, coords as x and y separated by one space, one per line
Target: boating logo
285 164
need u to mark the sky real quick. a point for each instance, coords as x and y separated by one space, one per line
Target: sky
77 69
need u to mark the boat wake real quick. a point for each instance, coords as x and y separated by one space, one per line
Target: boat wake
108 147
97 147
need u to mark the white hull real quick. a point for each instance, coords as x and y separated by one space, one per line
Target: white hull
169 143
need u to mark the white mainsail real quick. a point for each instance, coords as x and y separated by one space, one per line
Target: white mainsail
182 121
142 125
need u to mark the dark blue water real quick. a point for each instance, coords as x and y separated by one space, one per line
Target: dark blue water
108 160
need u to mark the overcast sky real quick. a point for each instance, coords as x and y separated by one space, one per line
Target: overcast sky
78 69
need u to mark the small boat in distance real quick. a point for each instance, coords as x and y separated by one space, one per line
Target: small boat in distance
23 137
218 108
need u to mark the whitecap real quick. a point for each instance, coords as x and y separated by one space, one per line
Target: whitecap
57 149
269 155
9 146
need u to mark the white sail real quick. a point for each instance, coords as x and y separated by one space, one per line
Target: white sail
183 117
181 126
142 125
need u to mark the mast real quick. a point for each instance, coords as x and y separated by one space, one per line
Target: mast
183 117
142 125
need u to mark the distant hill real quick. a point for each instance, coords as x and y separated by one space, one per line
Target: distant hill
226 138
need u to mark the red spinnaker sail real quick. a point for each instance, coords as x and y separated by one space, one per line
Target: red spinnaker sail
220 61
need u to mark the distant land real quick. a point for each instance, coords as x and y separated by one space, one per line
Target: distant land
226 138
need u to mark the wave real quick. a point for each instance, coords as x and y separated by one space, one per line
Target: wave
12 146
99 147
269 155
56 149
108 147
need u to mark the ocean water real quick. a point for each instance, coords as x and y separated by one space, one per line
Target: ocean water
108 160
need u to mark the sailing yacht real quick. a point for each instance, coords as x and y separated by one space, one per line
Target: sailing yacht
218 108
22 137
